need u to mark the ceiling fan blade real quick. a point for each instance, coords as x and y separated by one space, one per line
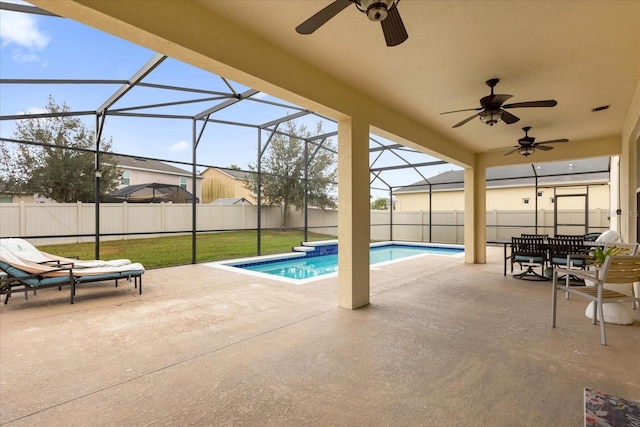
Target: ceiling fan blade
546 103
509 118
494 100
466 120
542 147
321 18
393 28
552 141
459 111
512 151
501 148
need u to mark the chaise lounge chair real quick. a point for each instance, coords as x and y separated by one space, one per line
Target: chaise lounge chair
27 251
23 275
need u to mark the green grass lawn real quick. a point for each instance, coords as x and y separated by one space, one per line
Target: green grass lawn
176 250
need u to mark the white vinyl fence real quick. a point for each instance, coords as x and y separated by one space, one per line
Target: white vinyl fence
139 220
76 221
448 226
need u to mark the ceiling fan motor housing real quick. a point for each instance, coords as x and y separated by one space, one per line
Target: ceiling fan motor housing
526 141
376 10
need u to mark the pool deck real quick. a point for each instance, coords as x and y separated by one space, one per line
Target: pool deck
441 344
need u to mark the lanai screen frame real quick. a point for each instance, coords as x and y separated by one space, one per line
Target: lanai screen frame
200 121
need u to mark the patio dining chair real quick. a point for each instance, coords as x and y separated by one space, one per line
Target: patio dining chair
567 252
616 269
529 253
544 236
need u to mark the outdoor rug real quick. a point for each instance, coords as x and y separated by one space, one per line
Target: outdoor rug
604 410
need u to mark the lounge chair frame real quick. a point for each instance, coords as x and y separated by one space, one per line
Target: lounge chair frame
17 281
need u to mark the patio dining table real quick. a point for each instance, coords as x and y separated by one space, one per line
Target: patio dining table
507 243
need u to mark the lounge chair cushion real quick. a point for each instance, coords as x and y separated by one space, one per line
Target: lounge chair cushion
20 267
576 262
26 250
525 259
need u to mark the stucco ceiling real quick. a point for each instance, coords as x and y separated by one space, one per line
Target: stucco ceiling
584 54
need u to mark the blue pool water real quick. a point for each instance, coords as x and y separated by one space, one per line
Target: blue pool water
311 265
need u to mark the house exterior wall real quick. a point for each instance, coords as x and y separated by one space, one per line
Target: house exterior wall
13 198
217 184
508 198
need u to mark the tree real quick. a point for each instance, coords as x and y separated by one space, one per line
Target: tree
62 168
283 171
380 204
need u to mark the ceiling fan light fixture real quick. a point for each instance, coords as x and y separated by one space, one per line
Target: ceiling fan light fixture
526 151
491 116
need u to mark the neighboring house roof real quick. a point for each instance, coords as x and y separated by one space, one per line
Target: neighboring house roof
229 201
150 165
152 193
234 173
555 173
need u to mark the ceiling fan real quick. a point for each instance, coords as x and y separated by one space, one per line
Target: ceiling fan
383 11
527 145
492 109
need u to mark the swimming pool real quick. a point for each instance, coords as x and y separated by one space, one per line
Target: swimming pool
320 260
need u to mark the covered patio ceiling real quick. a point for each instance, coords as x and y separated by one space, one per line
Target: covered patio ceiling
585 55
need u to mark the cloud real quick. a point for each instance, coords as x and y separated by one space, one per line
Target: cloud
35 110
22 57
22 30
179 146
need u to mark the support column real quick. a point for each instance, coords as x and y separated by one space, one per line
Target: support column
628 182
475 221
353 213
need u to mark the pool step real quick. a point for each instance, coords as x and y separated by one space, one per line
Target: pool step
317 248
320 243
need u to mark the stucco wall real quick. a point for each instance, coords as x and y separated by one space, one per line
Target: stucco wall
217 185
509 199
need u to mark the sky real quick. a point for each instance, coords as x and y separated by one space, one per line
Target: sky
42 47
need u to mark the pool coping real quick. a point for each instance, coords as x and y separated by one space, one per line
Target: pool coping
226 265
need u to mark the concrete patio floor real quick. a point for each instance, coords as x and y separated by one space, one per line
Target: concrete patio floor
441 344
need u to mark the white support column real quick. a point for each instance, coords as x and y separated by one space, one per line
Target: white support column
614 193
353 213
475 220
628 185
